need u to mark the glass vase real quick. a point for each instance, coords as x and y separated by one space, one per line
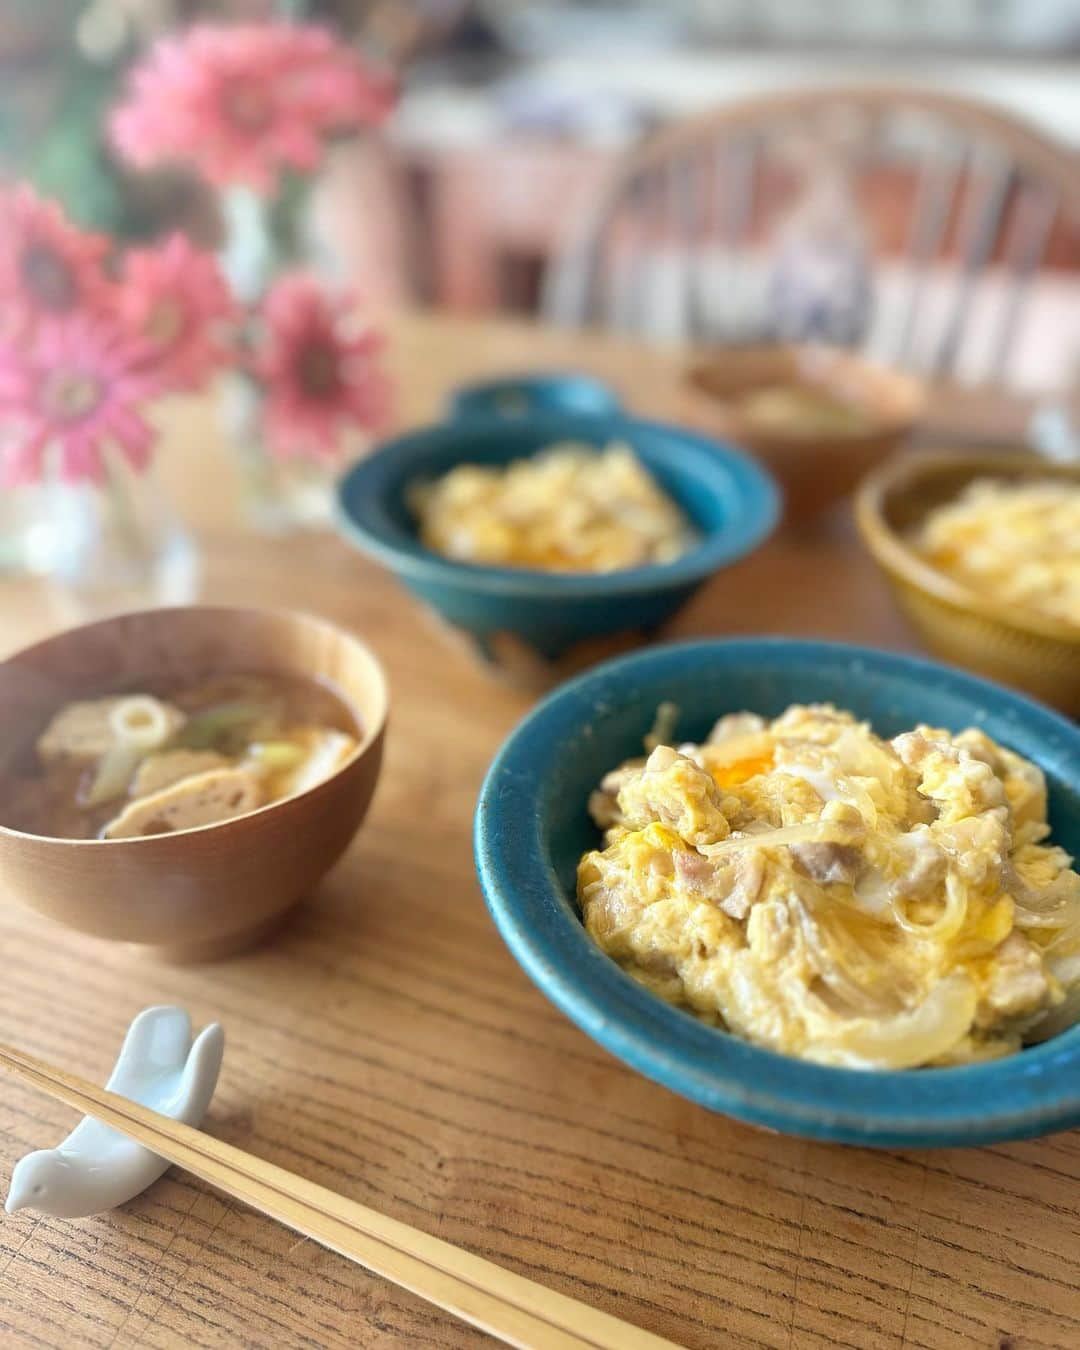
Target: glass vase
111 546
278 496
19 516
264 237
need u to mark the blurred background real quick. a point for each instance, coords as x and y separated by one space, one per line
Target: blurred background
938 236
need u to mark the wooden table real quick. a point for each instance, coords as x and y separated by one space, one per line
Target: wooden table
388 1046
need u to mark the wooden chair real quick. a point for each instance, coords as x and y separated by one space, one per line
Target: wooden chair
961 206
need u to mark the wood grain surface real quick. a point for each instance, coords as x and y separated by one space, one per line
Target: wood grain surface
387 1046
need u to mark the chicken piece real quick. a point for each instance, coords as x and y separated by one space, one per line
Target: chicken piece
910 866
732 885
672 789
84 730
1024 782
979 746
958 783
922 863
827 863
603 801
965 788
978 847
771 933
203 799
914 746
602 809
162 770
1018 985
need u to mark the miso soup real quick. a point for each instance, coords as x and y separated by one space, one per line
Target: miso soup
160 756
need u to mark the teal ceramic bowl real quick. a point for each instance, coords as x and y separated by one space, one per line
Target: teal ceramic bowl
547 616
532 827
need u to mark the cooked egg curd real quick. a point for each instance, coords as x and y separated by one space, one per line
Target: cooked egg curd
832 895
570 508
1017 542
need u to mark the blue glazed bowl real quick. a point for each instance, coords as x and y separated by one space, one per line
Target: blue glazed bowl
532 826
731 501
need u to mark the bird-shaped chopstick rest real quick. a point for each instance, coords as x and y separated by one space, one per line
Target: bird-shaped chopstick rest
97 1168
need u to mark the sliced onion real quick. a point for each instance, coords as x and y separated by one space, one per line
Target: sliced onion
1054 906
813 832
1023 917
905 1040
949 922
1067 940
830 971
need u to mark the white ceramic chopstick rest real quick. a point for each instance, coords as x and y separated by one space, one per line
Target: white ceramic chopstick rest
97 1168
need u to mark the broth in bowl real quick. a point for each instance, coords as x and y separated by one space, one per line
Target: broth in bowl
163 755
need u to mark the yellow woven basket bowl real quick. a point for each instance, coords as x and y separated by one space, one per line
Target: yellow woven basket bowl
1034 652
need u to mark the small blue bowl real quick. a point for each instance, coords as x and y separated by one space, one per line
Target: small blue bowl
730 500
532 827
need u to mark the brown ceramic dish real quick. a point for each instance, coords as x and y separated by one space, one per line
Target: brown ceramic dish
1035 652
199 893
816 467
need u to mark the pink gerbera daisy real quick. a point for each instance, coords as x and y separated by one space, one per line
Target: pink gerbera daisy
175 300
241 103
48 267
75 390
320 370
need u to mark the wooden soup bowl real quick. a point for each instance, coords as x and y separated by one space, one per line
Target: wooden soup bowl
201 893
816 468
1017 645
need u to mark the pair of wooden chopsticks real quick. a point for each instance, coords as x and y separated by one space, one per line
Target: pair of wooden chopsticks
506 1305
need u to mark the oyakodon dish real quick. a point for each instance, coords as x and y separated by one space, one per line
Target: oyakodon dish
1017 542
828 894
129 765
571 508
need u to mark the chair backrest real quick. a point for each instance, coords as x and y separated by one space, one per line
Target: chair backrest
958 207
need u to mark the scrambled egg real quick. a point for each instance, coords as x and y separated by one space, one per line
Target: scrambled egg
569 509
1017 542
831 895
